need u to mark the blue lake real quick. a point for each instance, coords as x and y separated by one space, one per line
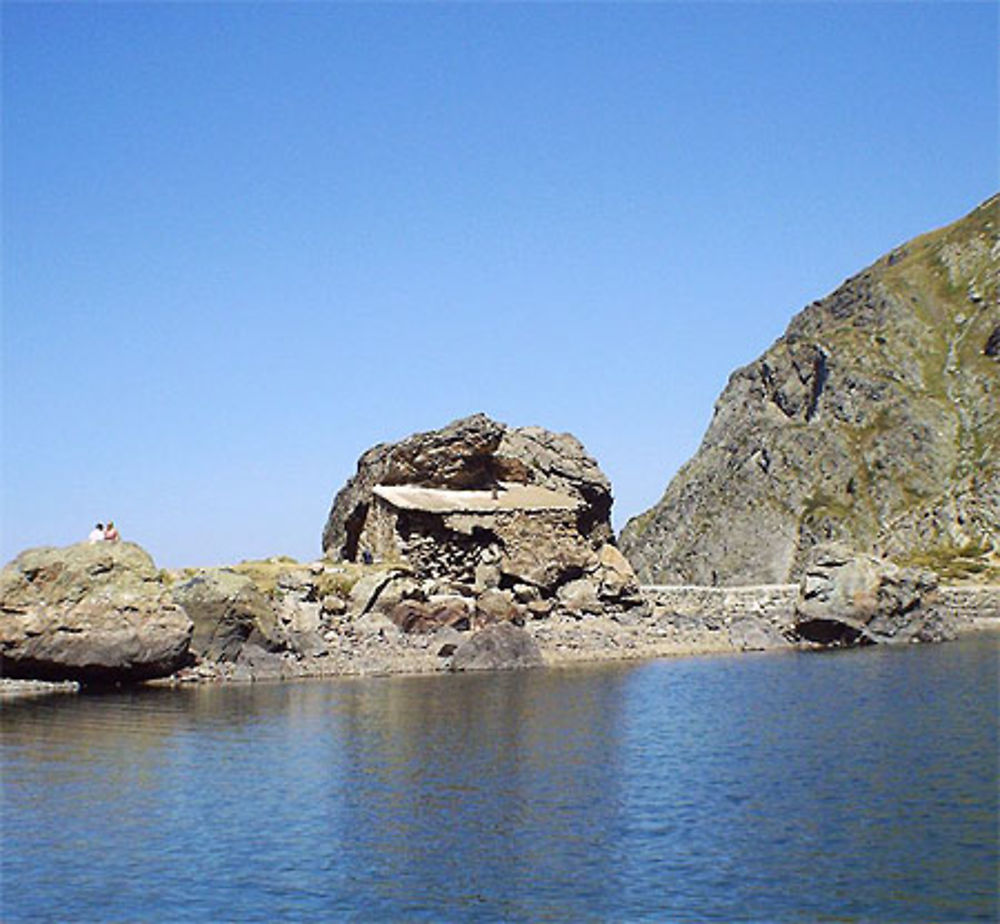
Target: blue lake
855 786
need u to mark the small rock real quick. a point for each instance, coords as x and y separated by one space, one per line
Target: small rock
495 606
580 596
486 577
397 590
539 609
525 593
751 634
375 624
333 605
366 591
992 347
446 641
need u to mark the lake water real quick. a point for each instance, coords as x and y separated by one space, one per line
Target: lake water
854 786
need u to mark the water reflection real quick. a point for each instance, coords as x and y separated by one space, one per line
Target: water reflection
860 786
523 767
859 781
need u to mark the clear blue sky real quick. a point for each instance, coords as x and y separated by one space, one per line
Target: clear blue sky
243 242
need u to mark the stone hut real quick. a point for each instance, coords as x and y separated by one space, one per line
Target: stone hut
474 454
478 505
518 533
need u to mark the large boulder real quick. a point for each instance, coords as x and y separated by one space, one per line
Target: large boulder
501 646
614 575
92 613
579 597
474 453
847 598
369 589
545 555
227 610
558 461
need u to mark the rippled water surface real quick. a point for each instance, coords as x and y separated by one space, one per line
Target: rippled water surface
845 787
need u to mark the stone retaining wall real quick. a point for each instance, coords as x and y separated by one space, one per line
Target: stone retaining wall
981 602
776 602
773 602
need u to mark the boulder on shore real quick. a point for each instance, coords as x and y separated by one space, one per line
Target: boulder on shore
97 614
849 598
499 647
478 508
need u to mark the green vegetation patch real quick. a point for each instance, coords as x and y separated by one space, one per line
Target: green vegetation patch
824 505
338 581
970 562
265 573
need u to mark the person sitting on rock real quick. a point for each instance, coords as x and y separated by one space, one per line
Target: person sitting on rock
111 533
96 534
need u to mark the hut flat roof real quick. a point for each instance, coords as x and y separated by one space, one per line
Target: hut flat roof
523 497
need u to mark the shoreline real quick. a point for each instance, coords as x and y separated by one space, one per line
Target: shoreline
592 641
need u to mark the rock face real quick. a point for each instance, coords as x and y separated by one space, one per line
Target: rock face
475 453
874 420
92 613
849 599
227 611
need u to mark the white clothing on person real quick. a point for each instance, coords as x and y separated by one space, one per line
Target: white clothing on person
96 535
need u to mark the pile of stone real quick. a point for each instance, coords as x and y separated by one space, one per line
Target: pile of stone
440 551
104 615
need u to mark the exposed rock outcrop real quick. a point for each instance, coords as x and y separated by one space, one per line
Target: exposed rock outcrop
849 599
474 453
874 420
228 611
97 614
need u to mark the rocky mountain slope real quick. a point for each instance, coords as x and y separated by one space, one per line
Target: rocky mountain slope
874 420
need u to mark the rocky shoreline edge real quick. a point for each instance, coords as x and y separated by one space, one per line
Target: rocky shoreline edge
269 623
597 642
